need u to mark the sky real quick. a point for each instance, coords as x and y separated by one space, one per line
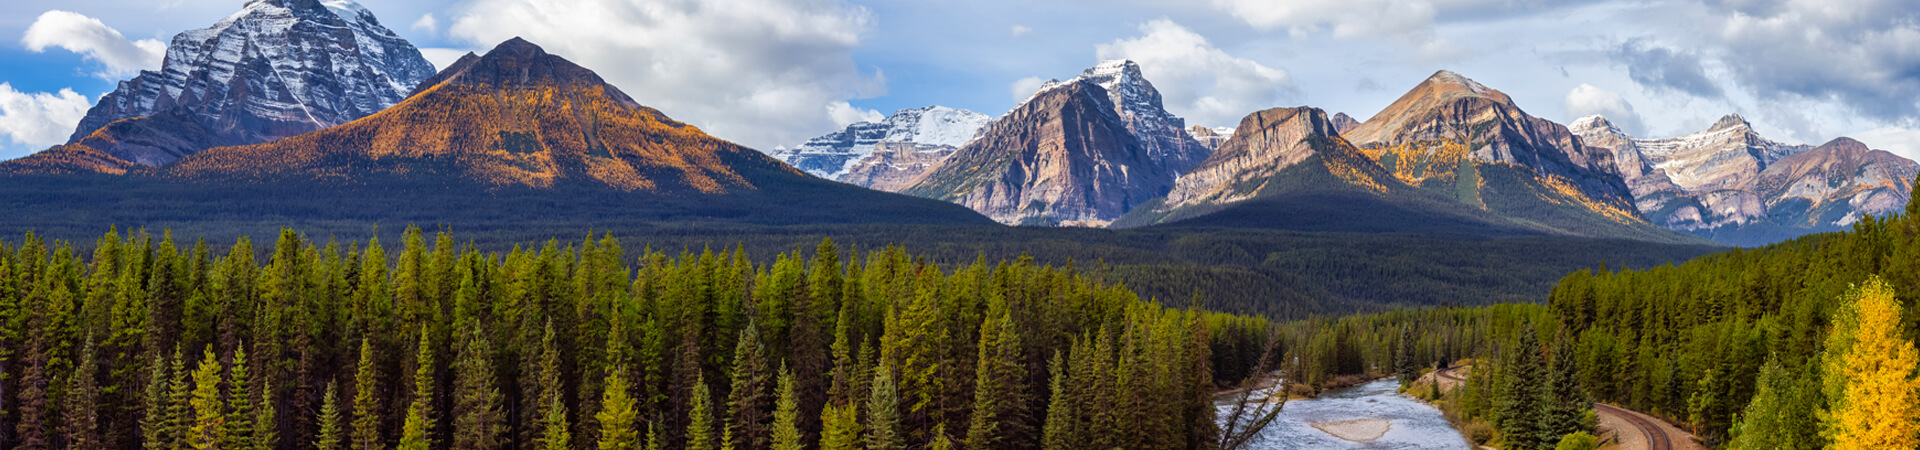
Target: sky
772 73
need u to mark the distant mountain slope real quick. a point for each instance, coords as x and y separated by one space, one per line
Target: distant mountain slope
515 135
1062 158
1080 152
1450 118
276 68
1731 184
1287 168
835 155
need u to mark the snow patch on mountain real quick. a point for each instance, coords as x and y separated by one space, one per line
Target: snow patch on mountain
832 156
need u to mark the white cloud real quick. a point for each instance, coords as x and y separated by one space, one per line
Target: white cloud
443 57
427 24
1901 141
758 72
1587 100
844 114
96 41
1023 89
1410 22
1197 81
40 119
1020 30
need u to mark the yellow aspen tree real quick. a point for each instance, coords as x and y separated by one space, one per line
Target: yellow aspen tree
1871 367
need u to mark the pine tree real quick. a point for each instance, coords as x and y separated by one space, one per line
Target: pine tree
1519 401
157 419
1403 364
180 403
998 393
1777 416
1877 405
32 427
746 402
1058 433
841 427
416 432
239 434
883 414
266 432
618 414
557 436
209 417
786 416
478 420
366 403
330 436
700 420
1564 402
83 400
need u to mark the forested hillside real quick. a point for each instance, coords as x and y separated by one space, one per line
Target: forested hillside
156 344
1803 344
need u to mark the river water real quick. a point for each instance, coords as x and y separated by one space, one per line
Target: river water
1412 425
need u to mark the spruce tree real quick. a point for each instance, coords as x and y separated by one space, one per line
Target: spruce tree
1563 401
209 413
366 402
618 414
416 432
478 419
786 416
746 402
266 431
180 403
83 401
883 414
1403 364
330 436
32 428
239 434
1519 403
554 422
700 419
157 419
1058 432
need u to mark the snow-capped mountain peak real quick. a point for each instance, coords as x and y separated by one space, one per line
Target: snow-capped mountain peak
833 155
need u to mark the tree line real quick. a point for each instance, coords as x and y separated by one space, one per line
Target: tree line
151 344
1802 344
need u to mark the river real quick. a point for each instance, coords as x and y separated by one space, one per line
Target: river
1370 409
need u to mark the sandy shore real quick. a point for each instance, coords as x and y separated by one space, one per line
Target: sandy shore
1357 430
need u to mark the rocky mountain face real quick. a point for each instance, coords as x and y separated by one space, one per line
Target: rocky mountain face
1065 157
1138 104
937 129
1343 123
894 166
1208 138
517 116
1449 117
276 68
1729 177
1266 143
515 138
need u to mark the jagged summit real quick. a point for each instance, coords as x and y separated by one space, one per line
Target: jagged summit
274 69
1730 121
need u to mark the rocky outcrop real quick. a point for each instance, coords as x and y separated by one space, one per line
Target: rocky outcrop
1064 157
1208 138
836 155
1451 109
894 166
275 69
1138 104
1265 143
1836 184
1343 123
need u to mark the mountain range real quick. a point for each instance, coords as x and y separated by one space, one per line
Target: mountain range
299 108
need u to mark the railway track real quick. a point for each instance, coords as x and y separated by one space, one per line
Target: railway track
1657 438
